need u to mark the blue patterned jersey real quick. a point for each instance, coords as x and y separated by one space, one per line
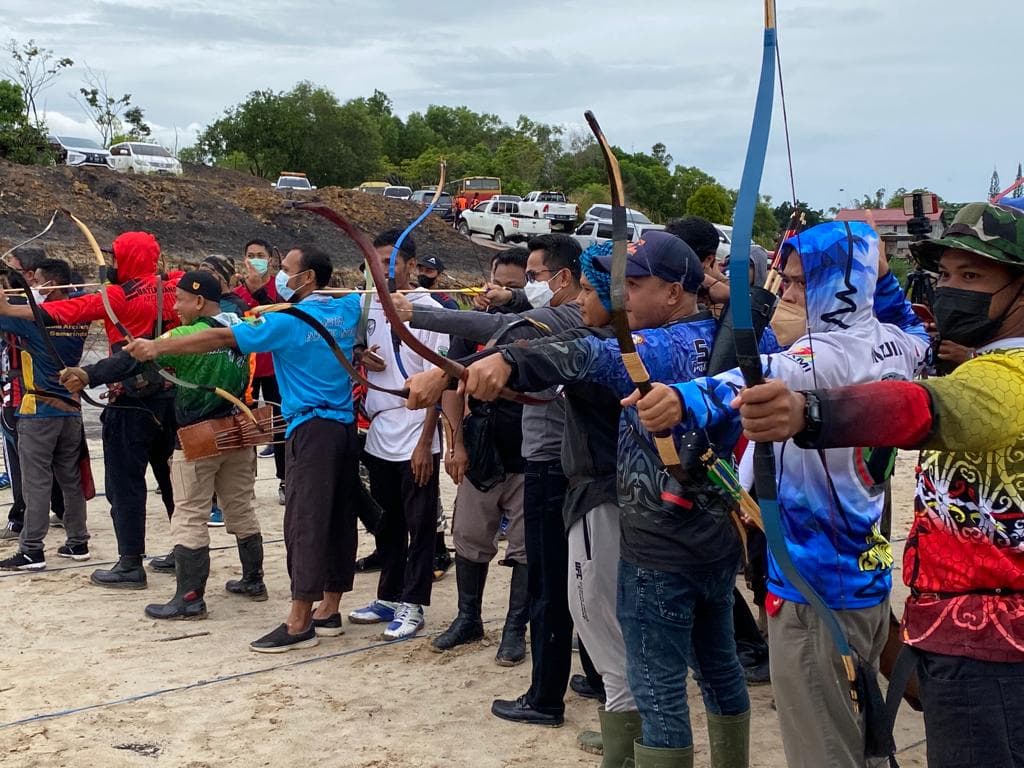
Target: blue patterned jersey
654 535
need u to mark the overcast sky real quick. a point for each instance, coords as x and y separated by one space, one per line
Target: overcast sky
881 93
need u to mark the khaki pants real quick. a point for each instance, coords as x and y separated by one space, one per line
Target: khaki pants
231 476
810 685
478 515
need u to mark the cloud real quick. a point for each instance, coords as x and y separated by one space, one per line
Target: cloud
880 94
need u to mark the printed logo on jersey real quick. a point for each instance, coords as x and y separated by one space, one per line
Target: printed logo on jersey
803 356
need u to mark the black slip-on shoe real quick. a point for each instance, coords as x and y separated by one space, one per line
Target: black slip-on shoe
280 640
329 627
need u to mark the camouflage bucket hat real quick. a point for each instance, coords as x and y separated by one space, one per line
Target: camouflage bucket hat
993 231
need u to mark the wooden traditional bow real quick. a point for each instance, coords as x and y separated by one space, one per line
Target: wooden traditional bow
620 321
116 322
449 366
747 352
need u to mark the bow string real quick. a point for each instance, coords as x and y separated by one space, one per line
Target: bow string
747 353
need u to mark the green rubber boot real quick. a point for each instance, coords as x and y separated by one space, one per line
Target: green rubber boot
618 732
662 757
729 736
590 742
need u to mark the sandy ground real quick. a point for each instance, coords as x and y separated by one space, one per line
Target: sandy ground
87 680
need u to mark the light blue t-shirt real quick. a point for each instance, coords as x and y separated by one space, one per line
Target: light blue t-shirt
312 382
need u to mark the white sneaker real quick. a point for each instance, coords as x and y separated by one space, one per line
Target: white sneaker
408 621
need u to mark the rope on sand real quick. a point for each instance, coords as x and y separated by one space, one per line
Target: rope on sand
201 683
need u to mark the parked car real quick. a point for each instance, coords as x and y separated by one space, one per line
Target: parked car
373 187
445 204
397 193
604 213
73 150
141 157
502 221
508 198
290 181
550 205
724 243
594 231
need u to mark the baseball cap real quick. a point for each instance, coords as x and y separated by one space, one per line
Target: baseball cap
993 231
659 254
222 265
431 261
200 283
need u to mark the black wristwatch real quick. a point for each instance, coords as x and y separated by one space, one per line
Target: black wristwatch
808 436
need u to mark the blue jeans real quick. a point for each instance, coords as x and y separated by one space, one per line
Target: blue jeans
672 622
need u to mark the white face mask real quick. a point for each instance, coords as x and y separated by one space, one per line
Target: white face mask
538 293
39 296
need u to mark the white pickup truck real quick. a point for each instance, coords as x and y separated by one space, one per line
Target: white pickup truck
552 206
503 221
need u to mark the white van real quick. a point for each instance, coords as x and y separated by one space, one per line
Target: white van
140 157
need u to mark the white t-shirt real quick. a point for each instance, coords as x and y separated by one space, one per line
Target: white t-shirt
394 429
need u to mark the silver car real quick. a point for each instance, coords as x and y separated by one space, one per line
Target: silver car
74 150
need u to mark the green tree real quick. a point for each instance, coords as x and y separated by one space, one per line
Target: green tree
21 141
590 194
305 129
34 69
784 212
712 202
649 185
687 181
519 162
103 108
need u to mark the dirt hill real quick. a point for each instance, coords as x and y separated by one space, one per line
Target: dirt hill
208 210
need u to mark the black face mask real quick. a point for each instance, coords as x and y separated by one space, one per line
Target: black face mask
112 275
426 282
962 316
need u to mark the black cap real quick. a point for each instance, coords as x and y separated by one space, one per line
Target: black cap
431 261
200 283
659 254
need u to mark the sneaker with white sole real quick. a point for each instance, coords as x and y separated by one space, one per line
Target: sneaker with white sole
24 561
78 552
375 613
408 621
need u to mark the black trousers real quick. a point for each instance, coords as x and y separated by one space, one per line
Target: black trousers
267 387
547 552
972 711
319 509
406 538
132 439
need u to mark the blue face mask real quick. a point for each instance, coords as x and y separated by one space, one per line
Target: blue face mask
281 283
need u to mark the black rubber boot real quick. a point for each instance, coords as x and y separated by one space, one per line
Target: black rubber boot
470 578
127 573
250 553
512 650
192 569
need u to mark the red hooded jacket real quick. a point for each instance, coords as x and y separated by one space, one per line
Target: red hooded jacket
133 297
